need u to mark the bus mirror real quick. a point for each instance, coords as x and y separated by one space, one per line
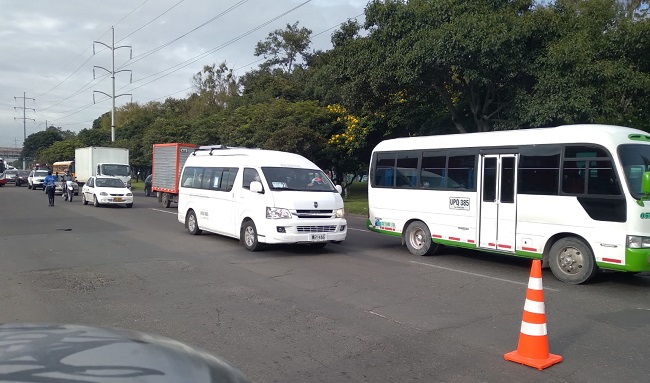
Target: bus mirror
645 183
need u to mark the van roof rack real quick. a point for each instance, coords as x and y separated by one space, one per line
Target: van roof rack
212 148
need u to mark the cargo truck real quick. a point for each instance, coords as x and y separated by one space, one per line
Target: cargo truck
101 161
166 164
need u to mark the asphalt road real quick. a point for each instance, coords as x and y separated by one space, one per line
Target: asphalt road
362 311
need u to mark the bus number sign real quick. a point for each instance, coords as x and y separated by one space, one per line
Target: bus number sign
457 203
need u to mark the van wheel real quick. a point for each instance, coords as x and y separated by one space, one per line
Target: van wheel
418 239
572 261
249 236
192 223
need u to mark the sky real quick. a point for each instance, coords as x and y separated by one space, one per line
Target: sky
46 51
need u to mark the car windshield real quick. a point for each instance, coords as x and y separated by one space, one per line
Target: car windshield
23 173
40 173
116 170
109 183
13 172
297 179
636 160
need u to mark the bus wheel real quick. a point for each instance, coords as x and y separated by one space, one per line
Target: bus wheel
249 236
572 261
418 239
192 223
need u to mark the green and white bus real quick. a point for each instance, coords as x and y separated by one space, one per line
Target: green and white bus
575 196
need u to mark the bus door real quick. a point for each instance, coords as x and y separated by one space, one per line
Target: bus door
498 212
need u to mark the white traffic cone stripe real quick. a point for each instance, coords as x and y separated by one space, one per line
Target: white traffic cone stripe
535 283
533 329
534 307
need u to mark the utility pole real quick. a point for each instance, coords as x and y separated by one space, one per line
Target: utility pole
112 47
24 108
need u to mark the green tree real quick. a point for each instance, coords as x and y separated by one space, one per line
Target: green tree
283 47
59 151
215 87
39 141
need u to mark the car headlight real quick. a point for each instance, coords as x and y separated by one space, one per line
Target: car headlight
277 213
103 193
340 213
638 242
129 194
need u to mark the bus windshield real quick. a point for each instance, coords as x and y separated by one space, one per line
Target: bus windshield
281 178
116 170
636 160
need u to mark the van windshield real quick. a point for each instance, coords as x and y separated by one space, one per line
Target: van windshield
280 178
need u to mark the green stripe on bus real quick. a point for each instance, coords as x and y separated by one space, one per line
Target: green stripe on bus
380 231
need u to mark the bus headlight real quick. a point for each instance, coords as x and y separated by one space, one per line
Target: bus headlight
277 213
638 242
340 213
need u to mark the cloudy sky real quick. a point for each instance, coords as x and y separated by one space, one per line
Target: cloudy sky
46 50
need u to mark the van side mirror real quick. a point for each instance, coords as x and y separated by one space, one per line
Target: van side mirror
339 189
256 187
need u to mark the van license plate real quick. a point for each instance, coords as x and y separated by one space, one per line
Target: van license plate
117 199
322 237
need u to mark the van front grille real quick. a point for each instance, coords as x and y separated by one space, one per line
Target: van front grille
316 229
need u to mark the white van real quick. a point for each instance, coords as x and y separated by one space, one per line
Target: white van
260 197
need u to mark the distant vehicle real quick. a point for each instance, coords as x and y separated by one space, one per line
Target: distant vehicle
62 167
36 178
105 190
574 196
10 176
61 179
260 197
22 177
147 185
3 168
167 161
100 161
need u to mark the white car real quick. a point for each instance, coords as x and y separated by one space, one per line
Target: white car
106 191
36 178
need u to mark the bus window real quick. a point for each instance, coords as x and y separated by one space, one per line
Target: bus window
433 172
385 173
407 169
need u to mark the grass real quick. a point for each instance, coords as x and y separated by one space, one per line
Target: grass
357 200
137 185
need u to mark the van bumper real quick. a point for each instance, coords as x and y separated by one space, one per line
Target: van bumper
278 232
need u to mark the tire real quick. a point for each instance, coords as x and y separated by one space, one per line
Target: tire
192 224
29 186
166 201
129 205
318 245
95 202
249 236
572 261
418 239
83 199
70 197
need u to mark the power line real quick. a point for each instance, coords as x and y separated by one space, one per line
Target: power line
84 51
154 50
151 21
185 63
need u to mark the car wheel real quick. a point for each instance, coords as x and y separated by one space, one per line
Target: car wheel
29 186
249 236
572 261
129 205
83 199
192 223
95 202
418 239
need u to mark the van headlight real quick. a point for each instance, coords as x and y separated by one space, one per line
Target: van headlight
277 213
638 242
340 213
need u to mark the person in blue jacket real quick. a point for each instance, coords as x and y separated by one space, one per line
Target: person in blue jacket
49 184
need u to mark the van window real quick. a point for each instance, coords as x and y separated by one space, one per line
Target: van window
281 178
250 175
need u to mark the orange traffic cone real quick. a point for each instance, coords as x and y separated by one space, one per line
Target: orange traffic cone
533 339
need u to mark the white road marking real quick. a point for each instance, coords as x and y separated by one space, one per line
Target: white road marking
393 320
477 275
164 211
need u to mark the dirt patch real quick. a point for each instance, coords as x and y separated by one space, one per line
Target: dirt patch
78 281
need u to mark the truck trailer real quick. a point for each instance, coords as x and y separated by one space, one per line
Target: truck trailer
102 161
166 164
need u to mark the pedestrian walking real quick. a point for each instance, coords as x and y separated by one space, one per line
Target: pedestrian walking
49 184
